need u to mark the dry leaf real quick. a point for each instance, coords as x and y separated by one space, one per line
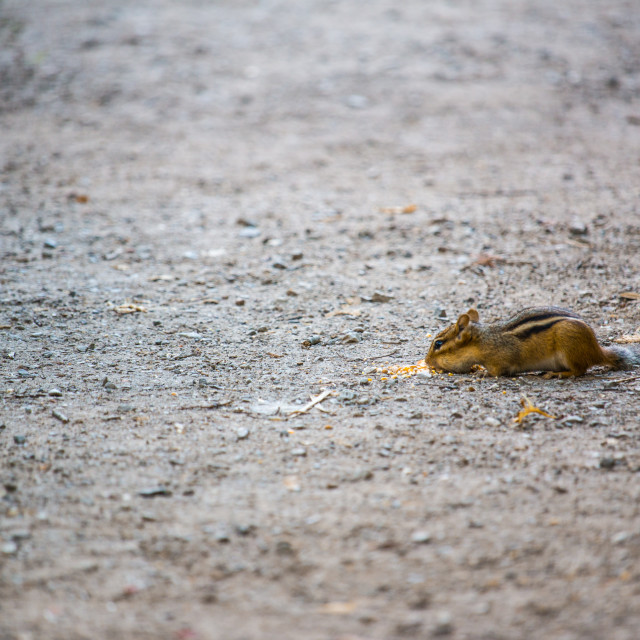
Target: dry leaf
380 297
409 208
630 295
488 260
339 608
529 408
81 198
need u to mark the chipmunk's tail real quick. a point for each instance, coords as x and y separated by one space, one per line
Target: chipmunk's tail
623 357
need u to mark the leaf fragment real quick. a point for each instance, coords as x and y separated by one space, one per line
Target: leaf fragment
129 308
527 408
339 608
409 208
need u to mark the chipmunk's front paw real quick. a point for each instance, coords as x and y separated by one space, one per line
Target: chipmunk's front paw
479 371
560 375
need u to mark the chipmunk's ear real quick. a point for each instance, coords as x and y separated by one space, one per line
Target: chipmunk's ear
463 322
462 326
473 315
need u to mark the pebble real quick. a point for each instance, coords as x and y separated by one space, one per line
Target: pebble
364 381
246 222
356 101
482 608
23 373
300 452
440 312
284 548
621 537
607 463
125 408
55 393
314 339
45 226
381 297
492 422
9 548
242 433
50 243
444 625
409 627
421 537
19 439
351 338
246 529
58 415
222 535
249 232
20 534
578 228
239 302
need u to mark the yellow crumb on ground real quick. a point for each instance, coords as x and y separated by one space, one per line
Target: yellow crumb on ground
404 371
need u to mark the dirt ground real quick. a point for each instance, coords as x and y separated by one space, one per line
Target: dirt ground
206 220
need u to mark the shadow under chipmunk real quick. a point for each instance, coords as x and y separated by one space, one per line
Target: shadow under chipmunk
550 339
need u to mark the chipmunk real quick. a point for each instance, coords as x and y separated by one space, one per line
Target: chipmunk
548 339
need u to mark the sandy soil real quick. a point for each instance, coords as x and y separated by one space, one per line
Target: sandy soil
202 227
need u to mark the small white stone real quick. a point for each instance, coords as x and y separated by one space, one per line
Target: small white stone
421 537
8 548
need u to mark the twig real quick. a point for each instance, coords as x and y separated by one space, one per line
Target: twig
215 405
185 355
385 355
618 380
314 401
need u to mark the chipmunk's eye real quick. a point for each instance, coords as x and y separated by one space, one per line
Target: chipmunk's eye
438 343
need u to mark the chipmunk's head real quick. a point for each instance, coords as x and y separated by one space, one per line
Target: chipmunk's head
454 349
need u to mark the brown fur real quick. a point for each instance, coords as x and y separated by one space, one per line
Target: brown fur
549 339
